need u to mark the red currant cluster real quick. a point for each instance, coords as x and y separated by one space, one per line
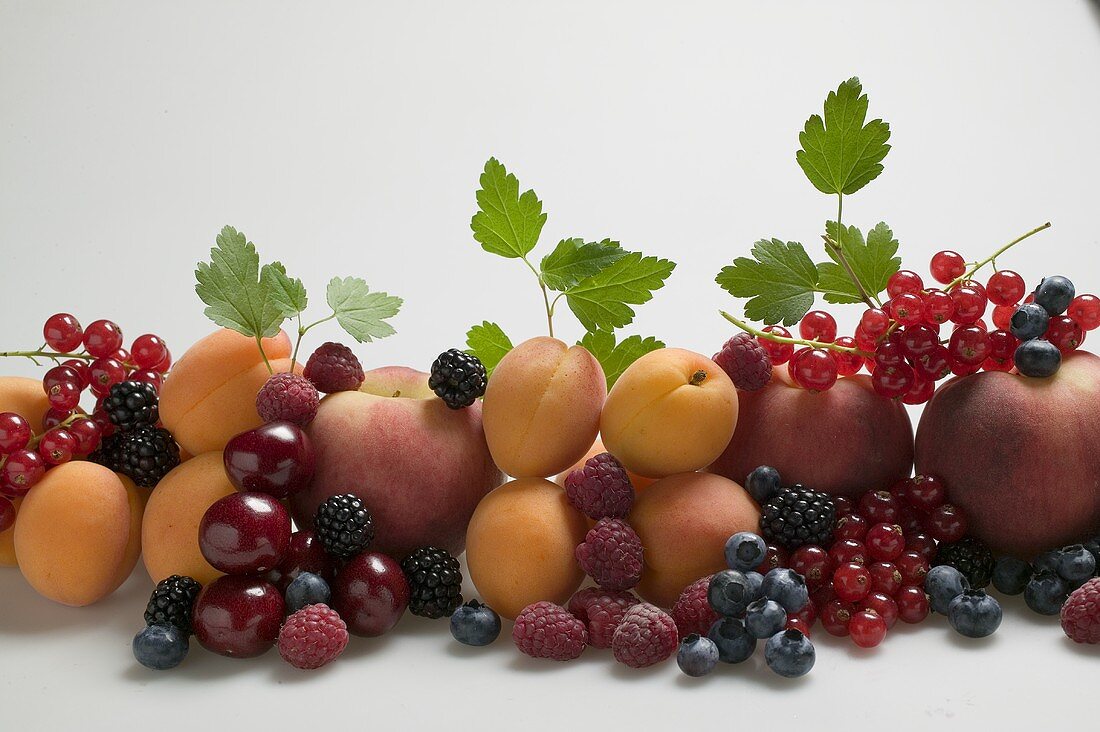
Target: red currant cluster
873 573
904 344
92 359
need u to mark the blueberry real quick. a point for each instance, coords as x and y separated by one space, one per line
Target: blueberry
735 644
1045 593
1029 321
160 647
1047 561
475 624
307 589
764 618
1038 358
1076 563
1054 294
745 551
697 656
729 593
762 484
974 614
1093 545
786 587
943 584
756 582
1011 575
790 654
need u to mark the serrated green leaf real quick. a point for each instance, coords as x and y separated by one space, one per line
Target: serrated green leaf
286 294
573 260
359 311
230 286
841 154
489 343
780 279
506 223
873 263
603 300
616 357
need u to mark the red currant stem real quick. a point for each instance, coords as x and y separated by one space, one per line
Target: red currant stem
792 341
970 273
32 444
56 357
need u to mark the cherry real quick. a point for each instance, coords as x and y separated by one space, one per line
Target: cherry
814 369
7 514
818 325
879 507
371 593
874 321
1085 311
245 533
912 604
867 628
847 551
1065 333
969 345
885 577
970 304
774 556
238 616
947 266
913 567
907 308
15 432
148 350
62 332
1005 287
924 492
852 526
904 282
938 307
947 523
57 446
305 554
780 353
813 563
276 458
22 469
836 616
847 363
922 544
920 391
102 338
1002 344
87 435
892 382
885 542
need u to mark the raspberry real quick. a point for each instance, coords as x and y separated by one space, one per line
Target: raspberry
287 397
692 612
746 361
333 367
312 637
1081 613
611 554
647 635
546 630
601 488
601 611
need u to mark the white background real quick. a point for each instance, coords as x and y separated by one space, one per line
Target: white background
347 139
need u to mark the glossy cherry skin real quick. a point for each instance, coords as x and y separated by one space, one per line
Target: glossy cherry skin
245 533
238 617
276 458
304 555
370 593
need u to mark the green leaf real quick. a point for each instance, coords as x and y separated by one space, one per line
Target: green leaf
286 294
873 263
230 286
603 300
573 260
359 311
780 280
489 343
506 223
616 357
842 154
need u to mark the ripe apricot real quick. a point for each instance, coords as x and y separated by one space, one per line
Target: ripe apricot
638 481
520 544
7 540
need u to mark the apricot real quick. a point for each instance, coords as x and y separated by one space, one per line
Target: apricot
73 533
7 540
520 544
671 411
136 498
684 521
210 393
25 397
541 409
170 531
638 481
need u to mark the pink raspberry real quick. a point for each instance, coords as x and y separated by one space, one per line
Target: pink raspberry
287 396
546 630
611 554
692 611
312 637
647 635
601 611
333 367
746 362
601 488
1081 613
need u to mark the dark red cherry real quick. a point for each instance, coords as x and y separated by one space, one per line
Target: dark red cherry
370 593
245 533
276 458
238 616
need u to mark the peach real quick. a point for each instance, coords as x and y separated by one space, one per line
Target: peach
170 530
210 393
420 466
73 533
684 522
843 441
7 540
638 481
542 407
671 411
1019 455
520 546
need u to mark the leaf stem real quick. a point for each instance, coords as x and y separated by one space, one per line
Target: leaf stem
978 265
792 341
836 248
545 297
260 345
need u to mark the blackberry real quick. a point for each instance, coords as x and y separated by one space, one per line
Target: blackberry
146 454
435 582
109 453
796 516
343 525
971 557
132 404
172 602
458 378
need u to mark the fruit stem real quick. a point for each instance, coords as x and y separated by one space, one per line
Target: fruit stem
54 356
545 297
837 251
792 341
970 273
698 377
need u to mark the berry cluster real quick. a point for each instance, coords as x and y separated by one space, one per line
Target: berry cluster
1048 580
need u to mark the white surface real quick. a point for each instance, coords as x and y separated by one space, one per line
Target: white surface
349 139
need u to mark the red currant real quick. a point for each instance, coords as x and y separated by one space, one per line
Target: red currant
913 566
843 505
874 321
938 307
813 369
921 390
947 523
106 426
903 282
969 345
813 563
852 527
1002 344
910 519
59 375
54 417
106 372
835 616
885 542
774 556
1002 316
7 514
148 376
935 365
917 340
57 446
1085 311
864 340
64 396
892 382
21 471
147 351
969 305
15 432
885 577
87 435
796 623
166 363
998 364
882 604
907 308
102 338
879 507
922 544
847 364
1005 287
848 551
808 613
947 266
925 492
1065 333
912 604
62 332
889 353
80 368
121 355
818 325
958 368
867 628
780 353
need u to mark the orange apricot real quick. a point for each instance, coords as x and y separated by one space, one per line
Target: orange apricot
638 481
7 540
